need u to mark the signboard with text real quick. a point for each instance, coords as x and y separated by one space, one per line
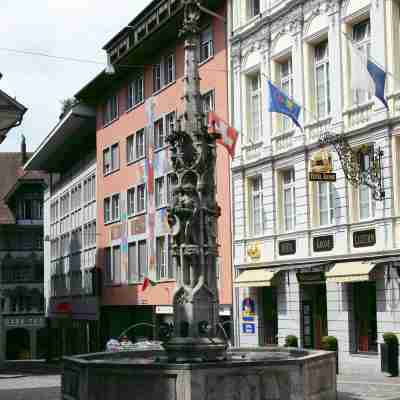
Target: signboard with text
287 247
364 238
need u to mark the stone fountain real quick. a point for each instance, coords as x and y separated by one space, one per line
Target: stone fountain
195 363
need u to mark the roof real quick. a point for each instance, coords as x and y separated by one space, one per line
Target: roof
74 133
9 107
12 175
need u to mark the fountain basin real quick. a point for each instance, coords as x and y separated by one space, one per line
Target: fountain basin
249 374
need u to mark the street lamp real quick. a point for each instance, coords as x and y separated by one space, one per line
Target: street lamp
11 113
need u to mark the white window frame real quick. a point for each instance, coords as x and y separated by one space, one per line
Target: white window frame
131 201
254 98
159 134
164 267
108 110
286 84
114 164
206 44
371 203
253 8
326 190
364 45
140 132
256 202
110 267
113 215
289 221
322 64
169 125
164 72
160 191
135 92
138 193
170 186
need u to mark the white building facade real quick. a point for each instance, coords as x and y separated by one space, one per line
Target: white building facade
292 238
71 281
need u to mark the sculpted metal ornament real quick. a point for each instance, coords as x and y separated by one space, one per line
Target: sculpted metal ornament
193 217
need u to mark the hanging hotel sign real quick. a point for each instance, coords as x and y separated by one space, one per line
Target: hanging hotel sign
364 238
287 247
321 167
323 243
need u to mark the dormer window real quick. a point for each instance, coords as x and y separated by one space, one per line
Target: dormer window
29 209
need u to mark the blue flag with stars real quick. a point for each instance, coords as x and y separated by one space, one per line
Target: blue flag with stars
379 77
279 102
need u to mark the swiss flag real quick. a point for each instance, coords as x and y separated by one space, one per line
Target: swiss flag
228 134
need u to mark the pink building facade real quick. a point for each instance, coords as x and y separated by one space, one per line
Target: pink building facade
136 110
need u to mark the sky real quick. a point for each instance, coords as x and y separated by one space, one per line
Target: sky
68 28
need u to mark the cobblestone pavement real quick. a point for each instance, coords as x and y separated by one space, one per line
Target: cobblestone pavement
359 379
29 387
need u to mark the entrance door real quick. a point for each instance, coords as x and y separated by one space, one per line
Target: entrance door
270 316
364 300
313 314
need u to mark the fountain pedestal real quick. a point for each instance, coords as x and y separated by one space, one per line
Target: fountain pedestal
263 374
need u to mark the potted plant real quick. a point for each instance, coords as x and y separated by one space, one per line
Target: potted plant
390 354
291 341
330 343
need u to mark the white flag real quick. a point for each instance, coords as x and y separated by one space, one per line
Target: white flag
360 77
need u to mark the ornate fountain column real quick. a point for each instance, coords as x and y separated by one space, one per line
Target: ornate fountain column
193 217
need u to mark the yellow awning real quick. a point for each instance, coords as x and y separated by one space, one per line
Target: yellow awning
255 278
353 271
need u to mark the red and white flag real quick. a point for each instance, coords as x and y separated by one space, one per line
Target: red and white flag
228 134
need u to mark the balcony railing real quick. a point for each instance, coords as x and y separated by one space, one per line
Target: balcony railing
358 116
314 130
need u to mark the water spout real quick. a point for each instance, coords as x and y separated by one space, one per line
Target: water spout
135 326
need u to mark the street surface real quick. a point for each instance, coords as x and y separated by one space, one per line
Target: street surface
359 379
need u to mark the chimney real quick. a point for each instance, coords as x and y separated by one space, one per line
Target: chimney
23 150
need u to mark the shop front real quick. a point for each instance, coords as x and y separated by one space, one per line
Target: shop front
313 308
257 307
360 282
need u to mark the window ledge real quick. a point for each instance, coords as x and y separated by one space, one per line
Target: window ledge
135 160
110 173
357 107
158 149
112 222
163 88
165 280
201 63
134 106
110 122
280 134
252 146
139 213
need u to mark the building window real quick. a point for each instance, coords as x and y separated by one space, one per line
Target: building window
326 203
130 148
254 90
172 181
169 123
133 270
366 202
159 134
141 198
362 40
159 192
112 261
131 201
256 205
139 143
322 89
161 259
111 159
208 101
163 72
156 77
30 209
253 8
110 110
206 44
135 92
142 259
286 81
111 208
169 69
289 200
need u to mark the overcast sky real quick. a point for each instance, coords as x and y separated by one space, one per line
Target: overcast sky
69 28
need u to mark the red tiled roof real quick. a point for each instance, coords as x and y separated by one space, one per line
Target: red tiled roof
11 172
